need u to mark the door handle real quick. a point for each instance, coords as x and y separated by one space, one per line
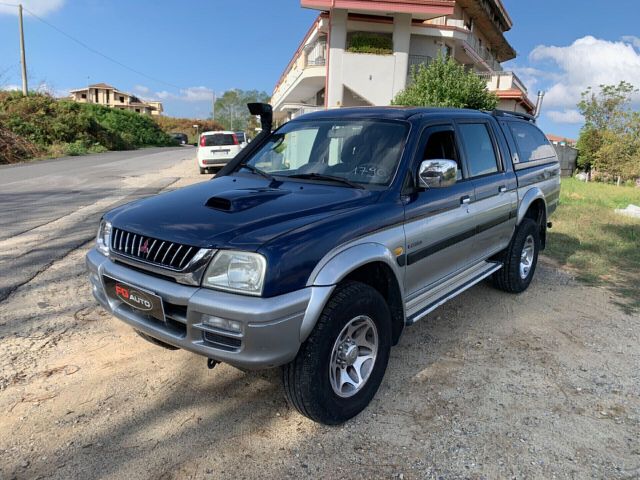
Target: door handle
466 200
502 189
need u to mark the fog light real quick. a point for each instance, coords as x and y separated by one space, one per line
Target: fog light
222 323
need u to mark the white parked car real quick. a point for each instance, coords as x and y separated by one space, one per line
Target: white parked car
215 149
242 138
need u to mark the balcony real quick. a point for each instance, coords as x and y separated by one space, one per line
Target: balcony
304 75
482 52
502 81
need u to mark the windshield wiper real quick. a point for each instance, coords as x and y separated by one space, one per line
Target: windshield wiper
257 171
321 176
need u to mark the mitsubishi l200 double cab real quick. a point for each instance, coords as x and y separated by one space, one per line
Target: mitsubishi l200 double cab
318 244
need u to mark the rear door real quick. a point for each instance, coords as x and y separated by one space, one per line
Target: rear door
437 220
493 209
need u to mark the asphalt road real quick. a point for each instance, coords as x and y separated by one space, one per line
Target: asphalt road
51 207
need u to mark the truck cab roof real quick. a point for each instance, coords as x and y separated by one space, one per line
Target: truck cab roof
406 113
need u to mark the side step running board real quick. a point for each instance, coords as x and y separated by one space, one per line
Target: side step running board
456 289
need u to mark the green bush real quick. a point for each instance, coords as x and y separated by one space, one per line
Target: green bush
445 83
66 127
362 42
76 148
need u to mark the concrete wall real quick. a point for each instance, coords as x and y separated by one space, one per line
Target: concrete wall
511 106
425 46
370 76
568 159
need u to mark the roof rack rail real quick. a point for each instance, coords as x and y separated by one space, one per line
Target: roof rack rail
509 113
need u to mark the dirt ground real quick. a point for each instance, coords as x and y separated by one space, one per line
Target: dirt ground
545 384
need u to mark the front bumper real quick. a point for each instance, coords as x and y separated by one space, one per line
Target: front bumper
271 327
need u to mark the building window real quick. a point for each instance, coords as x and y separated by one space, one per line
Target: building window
137 110
121 99
107 94
96 95
84 95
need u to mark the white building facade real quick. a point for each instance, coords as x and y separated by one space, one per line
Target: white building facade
330 70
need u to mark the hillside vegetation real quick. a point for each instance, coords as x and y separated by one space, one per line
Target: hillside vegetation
39 126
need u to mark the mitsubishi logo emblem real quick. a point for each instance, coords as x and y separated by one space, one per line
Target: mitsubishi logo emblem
144 248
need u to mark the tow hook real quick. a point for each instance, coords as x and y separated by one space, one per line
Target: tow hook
549 224
211 363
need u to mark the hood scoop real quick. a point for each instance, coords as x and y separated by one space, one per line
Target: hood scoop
243 199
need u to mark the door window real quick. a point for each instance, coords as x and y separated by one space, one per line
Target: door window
531 142
442 145
481 154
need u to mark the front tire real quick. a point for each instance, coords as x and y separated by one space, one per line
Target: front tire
339 368
519 259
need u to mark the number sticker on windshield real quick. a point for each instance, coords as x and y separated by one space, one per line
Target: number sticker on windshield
370 171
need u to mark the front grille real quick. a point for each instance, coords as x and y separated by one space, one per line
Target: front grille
174 256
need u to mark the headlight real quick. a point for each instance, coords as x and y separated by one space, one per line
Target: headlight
103 240
237 272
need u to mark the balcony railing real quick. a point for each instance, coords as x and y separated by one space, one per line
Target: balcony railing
416 60
483 52
316 54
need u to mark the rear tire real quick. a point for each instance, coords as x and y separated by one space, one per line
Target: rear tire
519 259
202 171
340 366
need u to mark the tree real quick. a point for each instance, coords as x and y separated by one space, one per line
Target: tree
608 140
445 83
603 108
231 109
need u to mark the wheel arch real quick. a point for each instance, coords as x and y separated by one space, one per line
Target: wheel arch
534 206
369 263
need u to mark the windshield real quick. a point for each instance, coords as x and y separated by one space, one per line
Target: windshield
360 151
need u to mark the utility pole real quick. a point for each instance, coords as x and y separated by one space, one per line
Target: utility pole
213 107
25 89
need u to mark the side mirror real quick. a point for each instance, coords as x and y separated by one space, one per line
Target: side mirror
437 173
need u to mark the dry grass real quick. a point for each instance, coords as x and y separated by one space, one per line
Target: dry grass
14 148
598 245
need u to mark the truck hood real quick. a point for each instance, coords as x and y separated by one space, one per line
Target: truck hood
240 211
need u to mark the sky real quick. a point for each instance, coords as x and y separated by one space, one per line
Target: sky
182 52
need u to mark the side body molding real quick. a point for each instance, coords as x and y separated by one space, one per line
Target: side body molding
334 267
529 197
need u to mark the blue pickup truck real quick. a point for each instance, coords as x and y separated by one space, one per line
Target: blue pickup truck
321 241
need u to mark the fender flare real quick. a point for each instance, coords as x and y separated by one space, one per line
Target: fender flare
531 196
334 268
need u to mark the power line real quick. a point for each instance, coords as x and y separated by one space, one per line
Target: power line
93 50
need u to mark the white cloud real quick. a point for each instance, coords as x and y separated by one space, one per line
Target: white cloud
191 94
39 7
588 61
565 116
632 39
10 87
